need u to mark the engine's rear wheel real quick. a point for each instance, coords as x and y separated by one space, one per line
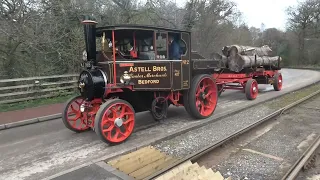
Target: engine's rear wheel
277 83
115 121
220 89
203 96
159 108
186 104
251 89
72 117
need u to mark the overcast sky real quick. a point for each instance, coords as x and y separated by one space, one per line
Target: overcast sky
270 12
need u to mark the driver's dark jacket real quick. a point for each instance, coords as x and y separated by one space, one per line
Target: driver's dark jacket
174 51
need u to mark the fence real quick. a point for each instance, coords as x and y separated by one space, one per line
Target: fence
23 89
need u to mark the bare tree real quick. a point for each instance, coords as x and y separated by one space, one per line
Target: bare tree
301 19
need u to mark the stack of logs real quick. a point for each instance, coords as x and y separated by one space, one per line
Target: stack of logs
238 57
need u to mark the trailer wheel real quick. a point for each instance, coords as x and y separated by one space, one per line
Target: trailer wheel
277 83
203 96
115 121
251 89
72 117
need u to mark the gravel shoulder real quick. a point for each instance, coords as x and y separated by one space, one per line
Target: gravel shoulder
265 153
269 152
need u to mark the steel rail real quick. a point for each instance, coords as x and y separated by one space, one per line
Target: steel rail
298 165
205 150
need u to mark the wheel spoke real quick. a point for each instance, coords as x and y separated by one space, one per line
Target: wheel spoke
72 108
109 135
208 94
198 92
128 121
114 112
202 108
75 118
211 101
123 110
109 129
71 112
116 135
79 103
121 133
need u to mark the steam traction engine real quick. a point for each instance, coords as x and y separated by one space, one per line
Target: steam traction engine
127 70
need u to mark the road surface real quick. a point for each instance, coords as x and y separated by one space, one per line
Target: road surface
40 150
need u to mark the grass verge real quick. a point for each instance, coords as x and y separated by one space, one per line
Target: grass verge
34 103
310 67
292 97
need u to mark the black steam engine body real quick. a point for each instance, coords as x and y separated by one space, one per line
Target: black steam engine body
127 69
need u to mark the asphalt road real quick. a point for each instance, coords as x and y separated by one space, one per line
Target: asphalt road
44 149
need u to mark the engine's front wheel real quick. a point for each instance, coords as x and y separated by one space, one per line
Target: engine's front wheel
72 116
115 121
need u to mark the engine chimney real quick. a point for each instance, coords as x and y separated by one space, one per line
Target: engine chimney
90 38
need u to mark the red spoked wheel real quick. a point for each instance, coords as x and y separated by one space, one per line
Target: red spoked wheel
220 89
186 105
203 96
251 89
72 117
115 121
277 82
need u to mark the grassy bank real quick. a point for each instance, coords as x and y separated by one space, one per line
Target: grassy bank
292 97
35 103
314 67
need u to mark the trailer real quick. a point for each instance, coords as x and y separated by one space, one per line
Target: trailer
244 67
134 68
248 82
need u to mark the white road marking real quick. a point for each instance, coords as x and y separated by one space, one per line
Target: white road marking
265 155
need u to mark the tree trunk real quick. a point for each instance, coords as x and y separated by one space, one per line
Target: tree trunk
246 50
238 62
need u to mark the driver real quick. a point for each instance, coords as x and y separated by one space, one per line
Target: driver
132 51
174 49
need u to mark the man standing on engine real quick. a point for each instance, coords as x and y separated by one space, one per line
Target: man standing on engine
174 49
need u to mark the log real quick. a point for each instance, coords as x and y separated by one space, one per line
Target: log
219 57
247 50
238 62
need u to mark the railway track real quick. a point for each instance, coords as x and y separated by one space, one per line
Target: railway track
307 158
150 163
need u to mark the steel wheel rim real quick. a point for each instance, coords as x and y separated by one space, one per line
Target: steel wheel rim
206 99
254 89
79 121
114 119
280 81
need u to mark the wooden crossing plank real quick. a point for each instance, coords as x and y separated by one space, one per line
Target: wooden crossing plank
174 171
138 161
144 163
191 171
148 160
129 155
153 167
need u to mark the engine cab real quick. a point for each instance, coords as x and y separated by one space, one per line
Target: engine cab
132 57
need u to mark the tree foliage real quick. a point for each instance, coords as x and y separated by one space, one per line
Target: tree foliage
45 37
